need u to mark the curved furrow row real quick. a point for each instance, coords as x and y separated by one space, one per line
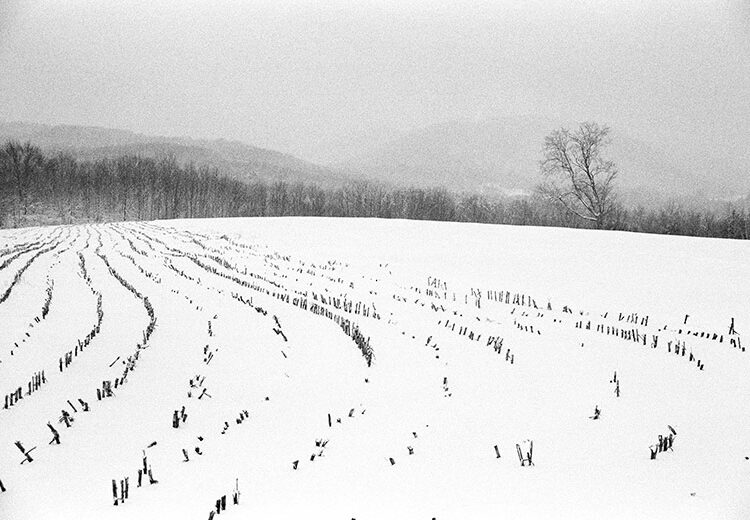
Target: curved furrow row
17 277
39 360
27 248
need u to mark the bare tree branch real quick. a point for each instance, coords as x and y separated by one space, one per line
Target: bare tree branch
576 174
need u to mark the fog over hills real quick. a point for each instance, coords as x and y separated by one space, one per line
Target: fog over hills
410 92
491 156
232 158
502 154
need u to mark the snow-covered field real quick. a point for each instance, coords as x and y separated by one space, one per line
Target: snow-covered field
227 355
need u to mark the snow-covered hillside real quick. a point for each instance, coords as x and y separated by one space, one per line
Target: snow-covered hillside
351 368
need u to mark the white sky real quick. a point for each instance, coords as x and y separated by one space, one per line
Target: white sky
312 78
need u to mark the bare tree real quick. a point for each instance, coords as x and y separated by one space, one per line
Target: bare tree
4 182
60 172
23 161
576 176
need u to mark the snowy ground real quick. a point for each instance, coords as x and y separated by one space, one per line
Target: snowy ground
484 338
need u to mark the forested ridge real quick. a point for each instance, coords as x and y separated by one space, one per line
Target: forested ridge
38 189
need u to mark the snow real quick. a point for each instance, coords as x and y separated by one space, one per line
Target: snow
449 398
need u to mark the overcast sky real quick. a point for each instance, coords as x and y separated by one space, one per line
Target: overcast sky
311 78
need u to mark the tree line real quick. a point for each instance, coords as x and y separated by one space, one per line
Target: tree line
38 188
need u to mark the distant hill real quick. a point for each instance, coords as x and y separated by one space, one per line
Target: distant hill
232 158
502 155
489 156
